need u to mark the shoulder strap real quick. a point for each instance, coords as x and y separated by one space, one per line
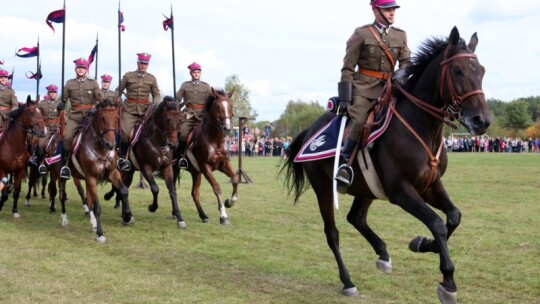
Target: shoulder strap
383 46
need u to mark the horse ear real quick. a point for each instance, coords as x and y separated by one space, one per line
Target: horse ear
231 93
28 99
213 92
474 42
454 36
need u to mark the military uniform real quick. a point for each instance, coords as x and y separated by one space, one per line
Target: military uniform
82 94
138 89
8 102
108 94
363 51
194 94
51 116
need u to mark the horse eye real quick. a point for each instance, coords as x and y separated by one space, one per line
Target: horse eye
457 71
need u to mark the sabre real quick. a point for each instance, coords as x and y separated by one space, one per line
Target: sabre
336 158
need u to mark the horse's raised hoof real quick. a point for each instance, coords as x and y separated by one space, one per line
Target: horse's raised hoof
224 221
117 205
152 208
445 296
182 224
65 221
108 195
206 220
350 292
16 215
414 245
101 239
128 219
27 203
229 203
52 208
384 266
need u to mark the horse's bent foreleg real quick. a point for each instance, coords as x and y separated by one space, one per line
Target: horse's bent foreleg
154 188
84 199
116 179
95 208
62 197
169 182
235 179
195 194
223 217
17 190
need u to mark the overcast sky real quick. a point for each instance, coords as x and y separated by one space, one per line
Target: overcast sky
281 50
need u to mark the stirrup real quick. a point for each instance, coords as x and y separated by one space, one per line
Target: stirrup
42 170
182 163
123 164
345 175
65 173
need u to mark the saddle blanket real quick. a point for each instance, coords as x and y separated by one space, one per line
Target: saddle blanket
323 143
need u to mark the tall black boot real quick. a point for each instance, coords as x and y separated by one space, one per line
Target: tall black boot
123 164
42 170
345 174
65 172
182 162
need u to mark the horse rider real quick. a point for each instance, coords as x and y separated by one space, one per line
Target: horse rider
82 92
194 92
51 116
105 84
139 85
366 68
8 99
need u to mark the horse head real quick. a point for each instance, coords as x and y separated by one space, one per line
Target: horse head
219 108
168 118
30 118
461 84
106 121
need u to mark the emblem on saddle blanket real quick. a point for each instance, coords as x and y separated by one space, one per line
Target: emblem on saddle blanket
323 143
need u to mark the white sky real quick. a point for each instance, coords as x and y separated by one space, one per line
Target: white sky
281 50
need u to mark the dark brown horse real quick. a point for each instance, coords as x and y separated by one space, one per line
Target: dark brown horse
14 146
207 152
153 152
446 81
95 162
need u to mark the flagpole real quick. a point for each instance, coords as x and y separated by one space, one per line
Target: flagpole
119 48
97 54
38 72
173 57
63 49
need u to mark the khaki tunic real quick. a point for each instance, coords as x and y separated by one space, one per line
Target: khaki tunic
51 117
8 102
79 92
363 51
110 94
194 95
138 89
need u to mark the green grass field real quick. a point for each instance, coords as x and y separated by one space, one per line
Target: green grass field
275 251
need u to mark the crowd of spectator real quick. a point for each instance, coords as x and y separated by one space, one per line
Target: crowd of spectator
491 144
259 146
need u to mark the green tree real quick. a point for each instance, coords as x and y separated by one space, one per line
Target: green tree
496 106
516 116
298 115
242 105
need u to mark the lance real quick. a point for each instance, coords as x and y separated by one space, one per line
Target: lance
63 49
120 16
38 71
97 54
173 57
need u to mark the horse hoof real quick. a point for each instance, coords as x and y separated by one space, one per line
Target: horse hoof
27 203
206 220
52 209
152 208
350 292
224 221
43 196
116 206
384 266
108 196
182 224
101 239
129 221
87 214
414 245
445 296
229 203
16 215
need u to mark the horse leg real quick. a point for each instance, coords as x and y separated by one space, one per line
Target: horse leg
31 186
357 217
223 217
195 194
61 196
17 190
95 208
116 179
437 197
169 182
154 188
411 202
84 199
52 191
235 179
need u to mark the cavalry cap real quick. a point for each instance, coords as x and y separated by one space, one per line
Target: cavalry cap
81 63
106 77
143 57
383 4
194 66
52 88
4 73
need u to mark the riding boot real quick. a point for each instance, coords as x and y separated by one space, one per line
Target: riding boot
65 172
34 157
345 174
182 162
123 164
42 170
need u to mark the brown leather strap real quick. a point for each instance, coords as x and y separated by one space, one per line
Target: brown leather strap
195 106
372 73
383 46
54 120
82 106
2 108
138 101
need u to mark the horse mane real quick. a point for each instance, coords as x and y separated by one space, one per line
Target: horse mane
211 98
107 102
14 114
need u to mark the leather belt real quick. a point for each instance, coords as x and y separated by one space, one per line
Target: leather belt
195 106
51 121
138 101
372 73
3 108
82 106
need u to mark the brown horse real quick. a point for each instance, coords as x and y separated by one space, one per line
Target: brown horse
95 161
14 145
206 152
153 152
445 83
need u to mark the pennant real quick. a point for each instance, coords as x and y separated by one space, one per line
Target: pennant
56 17
36 75
121 21
10 77
168 23
1 62
92 55
30 52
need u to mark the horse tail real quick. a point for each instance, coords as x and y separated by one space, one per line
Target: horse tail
295 179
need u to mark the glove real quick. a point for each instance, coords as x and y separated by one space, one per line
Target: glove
342 109
61 106
400 77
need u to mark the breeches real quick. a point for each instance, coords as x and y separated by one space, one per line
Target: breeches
186 127
128 122
358 112
72 128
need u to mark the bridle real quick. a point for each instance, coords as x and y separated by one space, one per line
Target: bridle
101 133
33 123
168 129
215 121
